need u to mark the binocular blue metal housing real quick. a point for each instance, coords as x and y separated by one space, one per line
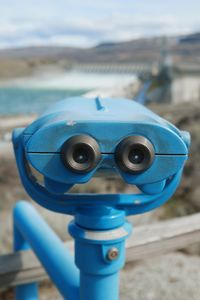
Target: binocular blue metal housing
77 139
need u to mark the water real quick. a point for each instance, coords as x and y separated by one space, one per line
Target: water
34 94
20 101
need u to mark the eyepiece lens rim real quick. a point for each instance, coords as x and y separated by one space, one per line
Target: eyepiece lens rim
81 141
124 148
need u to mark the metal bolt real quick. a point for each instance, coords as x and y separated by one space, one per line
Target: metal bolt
113 253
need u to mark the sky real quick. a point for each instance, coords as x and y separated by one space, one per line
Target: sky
85 23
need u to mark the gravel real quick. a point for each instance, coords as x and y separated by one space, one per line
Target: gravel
170 277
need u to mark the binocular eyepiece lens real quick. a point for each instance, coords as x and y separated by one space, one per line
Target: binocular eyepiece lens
81 153
134 154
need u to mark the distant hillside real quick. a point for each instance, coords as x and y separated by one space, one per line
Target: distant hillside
23 61
120 52
191 38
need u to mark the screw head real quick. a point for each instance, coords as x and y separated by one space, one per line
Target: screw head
113 254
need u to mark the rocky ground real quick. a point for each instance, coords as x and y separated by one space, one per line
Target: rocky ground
174 276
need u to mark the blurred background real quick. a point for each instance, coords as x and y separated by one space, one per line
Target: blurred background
143 50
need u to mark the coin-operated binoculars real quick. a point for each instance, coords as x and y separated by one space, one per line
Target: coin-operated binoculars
72 142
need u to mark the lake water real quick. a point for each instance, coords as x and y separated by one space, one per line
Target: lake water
15 101
35 94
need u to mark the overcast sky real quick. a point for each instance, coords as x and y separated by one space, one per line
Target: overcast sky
88 22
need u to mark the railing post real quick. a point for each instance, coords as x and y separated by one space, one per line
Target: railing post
27 291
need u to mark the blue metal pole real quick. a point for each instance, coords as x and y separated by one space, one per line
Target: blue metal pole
26 291
99 252
99 287
50 250
99 276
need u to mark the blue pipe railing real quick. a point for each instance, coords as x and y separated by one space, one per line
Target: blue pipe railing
30 230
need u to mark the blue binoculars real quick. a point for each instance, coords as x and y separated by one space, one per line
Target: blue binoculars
77 139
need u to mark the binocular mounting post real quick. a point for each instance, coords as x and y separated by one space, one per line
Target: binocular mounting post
100 234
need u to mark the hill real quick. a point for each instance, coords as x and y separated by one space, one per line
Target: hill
23 61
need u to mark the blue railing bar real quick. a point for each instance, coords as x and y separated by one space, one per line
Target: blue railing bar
50 250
